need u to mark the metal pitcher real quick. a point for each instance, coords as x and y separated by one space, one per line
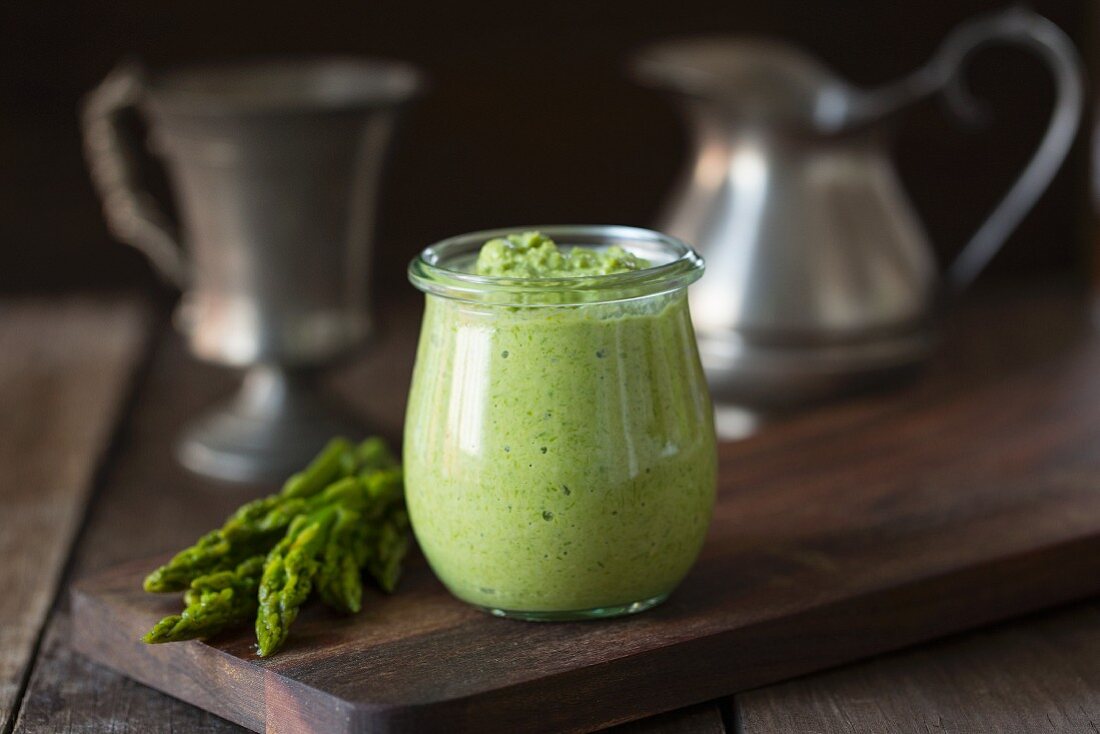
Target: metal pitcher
820 277
275 168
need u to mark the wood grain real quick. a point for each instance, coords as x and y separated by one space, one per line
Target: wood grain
971 496
73 695
1038 675
65 367
147 504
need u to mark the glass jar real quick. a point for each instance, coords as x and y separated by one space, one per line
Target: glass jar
559 443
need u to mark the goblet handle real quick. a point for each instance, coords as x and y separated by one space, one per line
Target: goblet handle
113 155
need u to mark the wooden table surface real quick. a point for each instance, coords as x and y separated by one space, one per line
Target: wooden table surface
93 391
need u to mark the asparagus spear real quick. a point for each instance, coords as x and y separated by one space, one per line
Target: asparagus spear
368 539
294 565
212 553
344 514
337 459
384 548
256 526
288 577
214 602
373 455
339 580
392 546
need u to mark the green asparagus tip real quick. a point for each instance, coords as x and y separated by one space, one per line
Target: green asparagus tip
342 515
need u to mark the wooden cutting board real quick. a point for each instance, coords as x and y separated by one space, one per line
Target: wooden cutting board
895 525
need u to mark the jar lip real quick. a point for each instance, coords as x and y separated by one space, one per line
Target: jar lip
682 266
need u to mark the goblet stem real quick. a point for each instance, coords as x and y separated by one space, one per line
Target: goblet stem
272 427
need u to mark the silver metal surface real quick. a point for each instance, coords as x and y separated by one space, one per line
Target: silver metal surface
275 168
820 277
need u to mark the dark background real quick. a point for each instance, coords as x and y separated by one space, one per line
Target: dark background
531 116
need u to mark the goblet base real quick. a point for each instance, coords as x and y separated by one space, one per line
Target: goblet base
273 427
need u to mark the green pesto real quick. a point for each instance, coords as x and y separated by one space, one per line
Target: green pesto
559 458
532 255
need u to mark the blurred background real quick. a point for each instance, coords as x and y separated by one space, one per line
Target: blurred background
531 115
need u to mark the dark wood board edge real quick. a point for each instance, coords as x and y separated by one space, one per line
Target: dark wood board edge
242 693
71 694
173 671
692 672
818 638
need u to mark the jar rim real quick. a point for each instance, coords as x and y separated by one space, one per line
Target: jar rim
680 266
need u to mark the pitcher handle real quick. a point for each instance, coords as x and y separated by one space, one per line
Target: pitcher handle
133 215
1041 36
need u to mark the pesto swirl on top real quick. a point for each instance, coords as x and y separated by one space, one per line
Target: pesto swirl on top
533 255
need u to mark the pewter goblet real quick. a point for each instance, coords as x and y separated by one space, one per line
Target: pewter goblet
275 168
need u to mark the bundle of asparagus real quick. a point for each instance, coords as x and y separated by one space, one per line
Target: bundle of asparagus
344 514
